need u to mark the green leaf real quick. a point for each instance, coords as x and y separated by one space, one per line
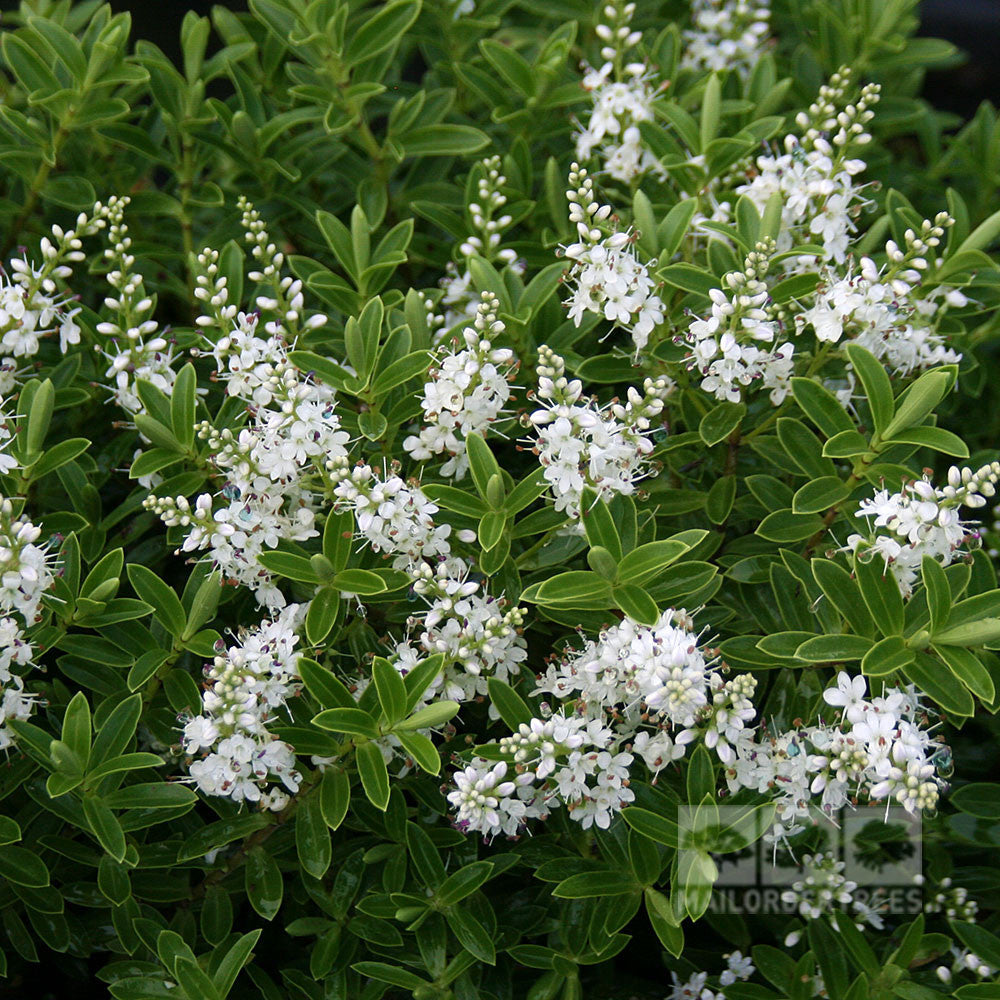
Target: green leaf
395 975
380 31
842 592
374 775
326 370
653 825
720 499
875 383
167 608
324 686
918 402
161 435
937 590
936 438
887 656
444 140
463 882
421 748
76 728
819 495
290 566
453 499
334 796
204 604
925 671
38 418
509 704
577 589
472 936
263 882
352 721
846 444
786 526
482 463
833 648
966 666
194 981
105 827
437 713
363 582
643 564
123 762
664 923
510 64
821 407
233 961
57 456
720 422
182 403
322 614
23 867
152 795
598 524
399 371
880 592
711 104
636 603
9 831
312 838
391 690
978 799
589 884
804 448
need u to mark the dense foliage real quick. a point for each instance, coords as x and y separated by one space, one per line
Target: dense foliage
472 471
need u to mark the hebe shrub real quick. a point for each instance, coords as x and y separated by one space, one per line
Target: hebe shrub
472 471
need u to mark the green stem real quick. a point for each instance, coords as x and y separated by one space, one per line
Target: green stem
37 183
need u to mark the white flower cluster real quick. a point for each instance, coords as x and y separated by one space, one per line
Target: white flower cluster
581 444
737 344
236 530
478 635
294 431
879 749
31 305
15 703
466 392
739 968
923 520
285 306
25 573
824 888
951 900
212 289
606 276
394 516
636 690
245 686
137 351
654 679
460 299
7 432
814 175
882 310
965 961
557 761
622 93
726 35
